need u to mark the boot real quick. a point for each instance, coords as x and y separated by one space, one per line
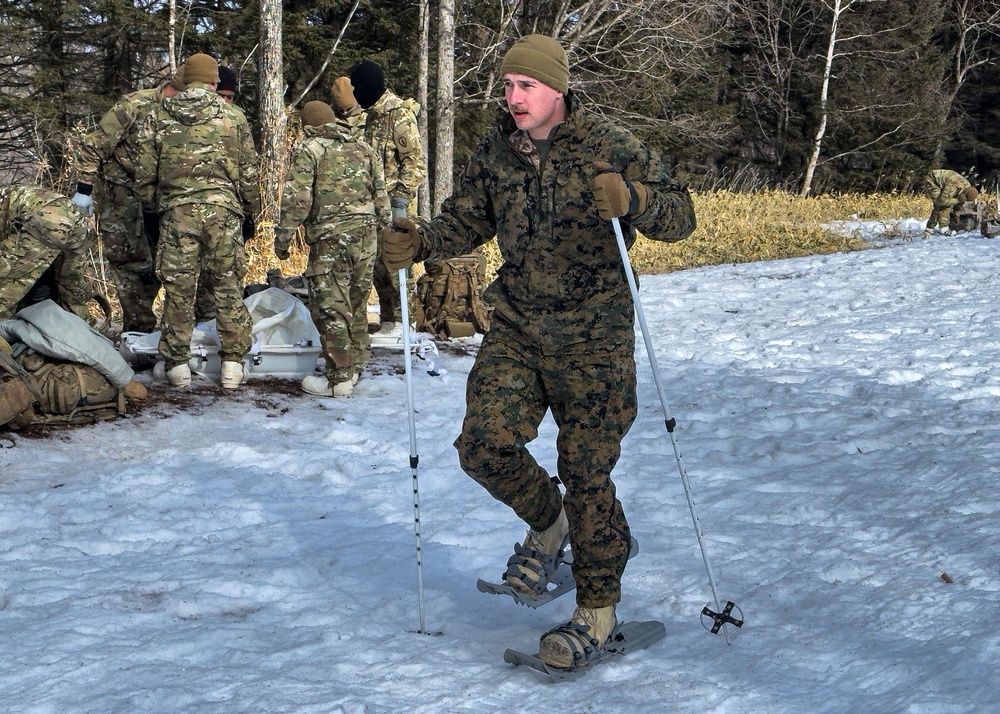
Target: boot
390 329
317 384
179 376
581 640
536 560
233 375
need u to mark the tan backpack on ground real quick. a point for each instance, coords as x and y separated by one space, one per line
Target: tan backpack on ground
990 224
965 217
37 390
449 297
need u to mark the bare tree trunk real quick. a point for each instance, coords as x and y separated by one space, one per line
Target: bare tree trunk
172 38
272 118
838 8
444 136
423 68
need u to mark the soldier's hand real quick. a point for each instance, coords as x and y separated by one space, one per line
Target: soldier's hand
83 199
281 252
615 195
400 243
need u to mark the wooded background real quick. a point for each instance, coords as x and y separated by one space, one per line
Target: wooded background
804 95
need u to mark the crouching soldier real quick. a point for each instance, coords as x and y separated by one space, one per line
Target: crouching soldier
948 192
41 229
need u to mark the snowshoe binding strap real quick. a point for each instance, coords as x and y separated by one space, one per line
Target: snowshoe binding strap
531 571
584 648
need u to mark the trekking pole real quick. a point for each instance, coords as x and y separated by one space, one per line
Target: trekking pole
721 617
414 458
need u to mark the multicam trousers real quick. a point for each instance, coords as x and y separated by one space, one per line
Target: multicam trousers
592 398
129 256
339 277
201 243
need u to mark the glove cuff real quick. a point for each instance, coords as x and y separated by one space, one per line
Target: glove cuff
639 195
85 188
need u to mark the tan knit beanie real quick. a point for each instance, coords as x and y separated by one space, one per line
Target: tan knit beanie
177 81
201 68
317 114
342 94
540 57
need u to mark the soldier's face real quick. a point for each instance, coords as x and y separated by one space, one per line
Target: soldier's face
535 107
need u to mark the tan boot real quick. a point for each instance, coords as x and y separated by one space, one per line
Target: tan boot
579 641
536 560
179 375
233 374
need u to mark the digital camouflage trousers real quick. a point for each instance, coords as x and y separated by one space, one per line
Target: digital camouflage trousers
202 244
592 398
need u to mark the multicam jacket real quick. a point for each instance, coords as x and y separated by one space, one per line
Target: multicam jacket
561 286
37 226
197 148
47 217
943 186
391 127
109 152
334 183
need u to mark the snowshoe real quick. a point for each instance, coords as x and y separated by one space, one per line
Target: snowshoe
560 582
627 637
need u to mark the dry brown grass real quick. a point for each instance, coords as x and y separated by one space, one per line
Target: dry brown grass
733 227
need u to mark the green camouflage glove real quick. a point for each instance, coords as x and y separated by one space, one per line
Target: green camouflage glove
400 243
615 195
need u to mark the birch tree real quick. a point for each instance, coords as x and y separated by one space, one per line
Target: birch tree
423 69
444 140
838 8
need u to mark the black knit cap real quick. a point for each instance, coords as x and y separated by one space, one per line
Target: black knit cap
227 79
368 81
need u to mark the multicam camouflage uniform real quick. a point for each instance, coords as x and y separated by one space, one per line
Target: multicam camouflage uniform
391 127
336 187
107 160
562 336
39 228
942 188
198 162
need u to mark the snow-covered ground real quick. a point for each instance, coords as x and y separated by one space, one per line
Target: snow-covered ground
255 553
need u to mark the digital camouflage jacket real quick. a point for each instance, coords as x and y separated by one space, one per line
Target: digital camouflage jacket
561 286
109 152
197 148
334 183
391 128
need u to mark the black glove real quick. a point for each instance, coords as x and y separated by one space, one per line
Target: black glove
151 227
249 227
